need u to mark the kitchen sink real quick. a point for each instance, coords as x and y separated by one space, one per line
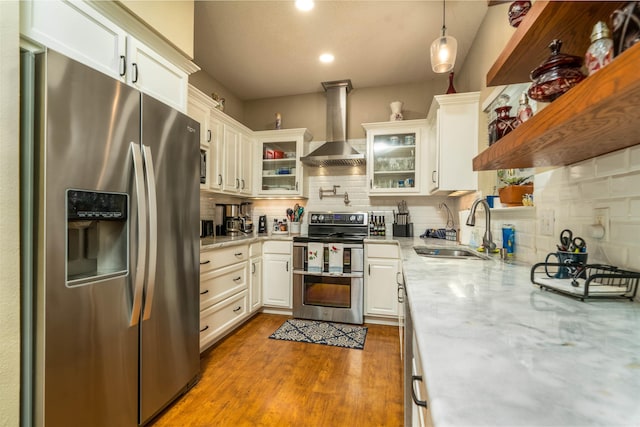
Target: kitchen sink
455 253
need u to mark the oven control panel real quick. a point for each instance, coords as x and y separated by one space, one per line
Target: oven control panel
335 218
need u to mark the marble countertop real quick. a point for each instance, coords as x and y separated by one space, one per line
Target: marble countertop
498 351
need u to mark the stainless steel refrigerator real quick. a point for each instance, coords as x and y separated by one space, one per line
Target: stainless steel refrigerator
116 204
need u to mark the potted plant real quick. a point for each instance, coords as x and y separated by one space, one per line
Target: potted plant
514 187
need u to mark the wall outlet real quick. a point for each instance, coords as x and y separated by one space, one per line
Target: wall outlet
547 222
601 217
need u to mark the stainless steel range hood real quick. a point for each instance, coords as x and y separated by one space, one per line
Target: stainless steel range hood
336 151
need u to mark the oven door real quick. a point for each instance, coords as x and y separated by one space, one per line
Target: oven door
329 297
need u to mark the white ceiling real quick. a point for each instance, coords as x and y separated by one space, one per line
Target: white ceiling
264 49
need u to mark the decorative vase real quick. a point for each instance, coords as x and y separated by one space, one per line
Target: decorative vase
517 12
396 110
502 125
451 89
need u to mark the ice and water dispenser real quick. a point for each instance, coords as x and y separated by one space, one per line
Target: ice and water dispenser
97 236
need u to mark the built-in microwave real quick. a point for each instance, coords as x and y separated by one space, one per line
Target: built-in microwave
203 166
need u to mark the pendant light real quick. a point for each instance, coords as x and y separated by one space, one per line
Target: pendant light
443 50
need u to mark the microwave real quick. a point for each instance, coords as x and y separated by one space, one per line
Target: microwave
203 166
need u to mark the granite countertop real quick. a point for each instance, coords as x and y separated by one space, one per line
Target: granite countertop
498 351
210 243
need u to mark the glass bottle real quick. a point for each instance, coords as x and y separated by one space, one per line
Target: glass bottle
600 53
525 112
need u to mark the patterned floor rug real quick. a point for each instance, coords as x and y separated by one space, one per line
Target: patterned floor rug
327 333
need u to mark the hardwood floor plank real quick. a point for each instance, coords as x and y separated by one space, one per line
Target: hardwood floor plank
250 380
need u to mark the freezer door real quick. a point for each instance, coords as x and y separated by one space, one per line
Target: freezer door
170 359
86 349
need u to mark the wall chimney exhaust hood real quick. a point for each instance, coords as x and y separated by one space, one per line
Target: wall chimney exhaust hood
336 151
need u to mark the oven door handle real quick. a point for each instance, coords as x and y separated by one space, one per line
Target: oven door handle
357 274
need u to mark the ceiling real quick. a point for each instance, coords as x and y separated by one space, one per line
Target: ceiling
265 49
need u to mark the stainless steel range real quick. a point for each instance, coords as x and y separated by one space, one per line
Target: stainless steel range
328 268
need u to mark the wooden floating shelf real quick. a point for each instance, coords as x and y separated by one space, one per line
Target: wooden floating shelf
598 116
570 22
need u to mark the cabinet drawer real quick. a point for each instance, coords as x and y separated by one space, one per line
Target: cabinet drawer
222 283
277 247
222 257
375 250
217 319
255 249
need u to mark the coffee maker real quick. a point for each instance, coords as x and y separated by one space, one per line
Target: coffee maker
232 220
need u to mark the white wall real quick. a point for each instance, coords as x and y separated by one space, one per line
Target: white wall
9 216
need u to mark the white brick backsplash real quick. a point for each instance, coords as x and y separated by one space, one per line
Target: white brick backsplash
627 185
624 233
634 208
634 158
582 171
595 189
612 163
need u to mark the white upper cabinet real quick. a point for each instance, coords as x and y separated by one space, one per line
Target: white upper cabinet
453 142
278 167
78 31
152 74
81 32
395 155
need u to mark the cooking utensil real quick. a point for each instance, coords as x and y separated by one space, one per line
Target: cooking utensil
290 214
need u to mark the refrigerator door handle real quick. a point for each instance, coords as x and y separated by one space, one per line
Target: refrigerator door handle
138 280
153 230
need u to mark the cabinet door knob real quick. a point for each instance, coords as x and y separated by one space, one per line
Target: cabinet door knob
237 309
219 179
206 291
208 135
237 279
204 329
205 262
433 176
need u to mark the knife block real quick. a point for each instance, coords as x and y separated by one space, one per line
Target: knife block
403 230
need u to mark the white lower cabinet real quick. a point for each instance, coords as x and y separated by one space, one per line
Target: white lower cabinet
255 276
382 270
277 274
420 411
224 291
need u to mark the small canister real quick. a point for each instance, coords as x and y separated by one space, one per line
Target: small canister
509 238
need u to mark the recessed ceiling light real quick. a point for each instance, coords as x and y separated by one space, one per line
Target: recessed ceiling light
304 5
326 58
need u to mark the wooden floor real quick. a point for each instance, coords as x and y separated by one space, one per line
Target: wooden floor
251 380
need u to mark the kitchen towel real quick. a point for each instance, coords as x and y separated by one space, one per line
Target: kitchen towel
315 257
335 257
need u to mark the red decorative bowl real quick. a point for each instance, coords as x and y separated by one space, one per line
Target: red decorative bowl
517 11
556 75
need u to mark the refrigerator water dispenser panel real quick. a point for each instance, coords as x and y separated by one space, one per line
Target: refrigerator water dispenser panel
97 236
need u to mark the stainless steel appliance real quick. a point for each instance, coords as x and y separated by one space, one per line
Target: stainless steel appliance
325 295
116 226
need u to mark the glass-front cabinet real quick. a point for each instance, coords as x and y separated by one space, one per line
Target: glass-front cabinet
394 156
279 171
